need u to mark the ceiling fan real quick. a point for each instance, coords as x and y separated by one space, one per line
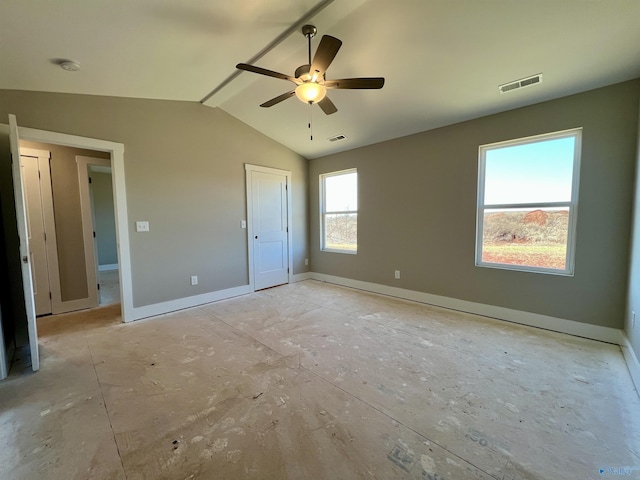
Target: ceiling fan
311 84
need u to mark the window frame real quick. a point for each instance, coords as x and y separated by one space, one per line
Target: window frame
572 204
324 212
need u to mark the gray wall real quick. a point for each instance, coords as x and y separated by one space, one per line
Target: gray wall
104 217
634 268
184 168
417 199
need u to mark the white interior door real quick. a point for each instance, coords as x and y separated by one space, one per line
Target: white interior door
27 281
269 228
36 232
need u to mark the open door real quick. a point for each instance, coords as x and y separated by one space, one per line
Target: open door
21 217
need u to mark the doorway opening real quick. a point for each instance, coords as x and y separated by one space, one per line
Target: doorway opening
114 152
70 213
105 240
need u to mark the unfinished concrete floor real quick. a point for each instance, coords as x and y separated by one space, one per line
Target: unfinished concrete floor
316 381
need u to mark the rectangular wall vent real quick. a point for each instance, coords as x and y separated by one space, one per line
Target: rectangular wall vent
337 138
523 82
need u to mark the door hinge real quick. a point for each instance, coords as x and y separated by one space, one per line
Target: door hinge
45 236
287 229
287 269
89 179
98 285
50 297
94 234
38 173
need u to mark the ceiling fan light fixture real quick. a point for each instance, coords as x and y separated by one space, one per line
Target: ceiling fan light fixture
311 83
311 92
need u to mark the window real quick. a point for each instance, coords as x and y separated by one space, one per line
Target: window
527 203
339 211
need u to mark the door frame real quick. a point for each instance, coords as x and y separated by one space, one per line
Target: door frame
249 169
120 201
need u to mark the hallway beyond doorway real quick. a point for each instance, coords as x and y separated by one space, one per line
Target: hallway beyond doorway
109 287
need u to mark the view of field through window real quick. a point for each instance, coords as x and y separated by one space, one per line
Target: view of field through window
527 202
340 218
535 238
341 231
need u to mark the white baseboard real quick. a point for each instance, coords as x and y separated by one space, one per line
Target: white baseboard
138 313
594 332
300 277
632 361
107 267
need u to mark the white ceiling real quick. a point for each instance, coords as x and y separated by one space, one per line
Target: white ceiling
442 59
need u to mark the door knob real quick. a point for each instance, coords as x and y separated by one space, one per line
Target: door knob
256 237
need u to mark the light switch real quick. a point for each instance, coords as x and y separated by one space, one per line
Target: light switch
142 226
243 224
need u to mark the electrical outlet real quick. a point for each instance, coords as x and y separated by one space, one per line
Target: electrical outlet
306 261
194 279
243 224
142 226
397 274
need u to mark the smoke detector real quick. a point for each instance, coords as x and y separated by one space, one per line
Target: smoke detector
69 65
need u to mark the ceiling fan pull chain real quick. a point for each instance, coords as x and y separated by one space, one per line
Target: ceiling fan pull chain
311 120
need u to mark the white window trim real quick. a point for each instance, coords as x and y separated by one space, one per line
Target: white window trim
572 205
323 212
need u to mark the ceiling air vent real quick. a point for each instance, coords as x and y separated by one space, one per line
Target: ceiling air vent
337 138
523 82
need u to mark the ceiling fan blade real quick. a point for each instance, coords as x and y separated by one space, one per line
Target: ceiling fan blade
325 54
327 106
278 99
264 71
356 83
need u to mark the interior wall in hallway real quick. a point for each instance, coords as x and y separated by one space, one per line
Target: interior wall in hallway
68 217
104 216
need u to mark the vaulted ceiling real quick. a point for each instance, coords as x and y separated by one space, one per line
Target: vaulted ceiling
442 59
